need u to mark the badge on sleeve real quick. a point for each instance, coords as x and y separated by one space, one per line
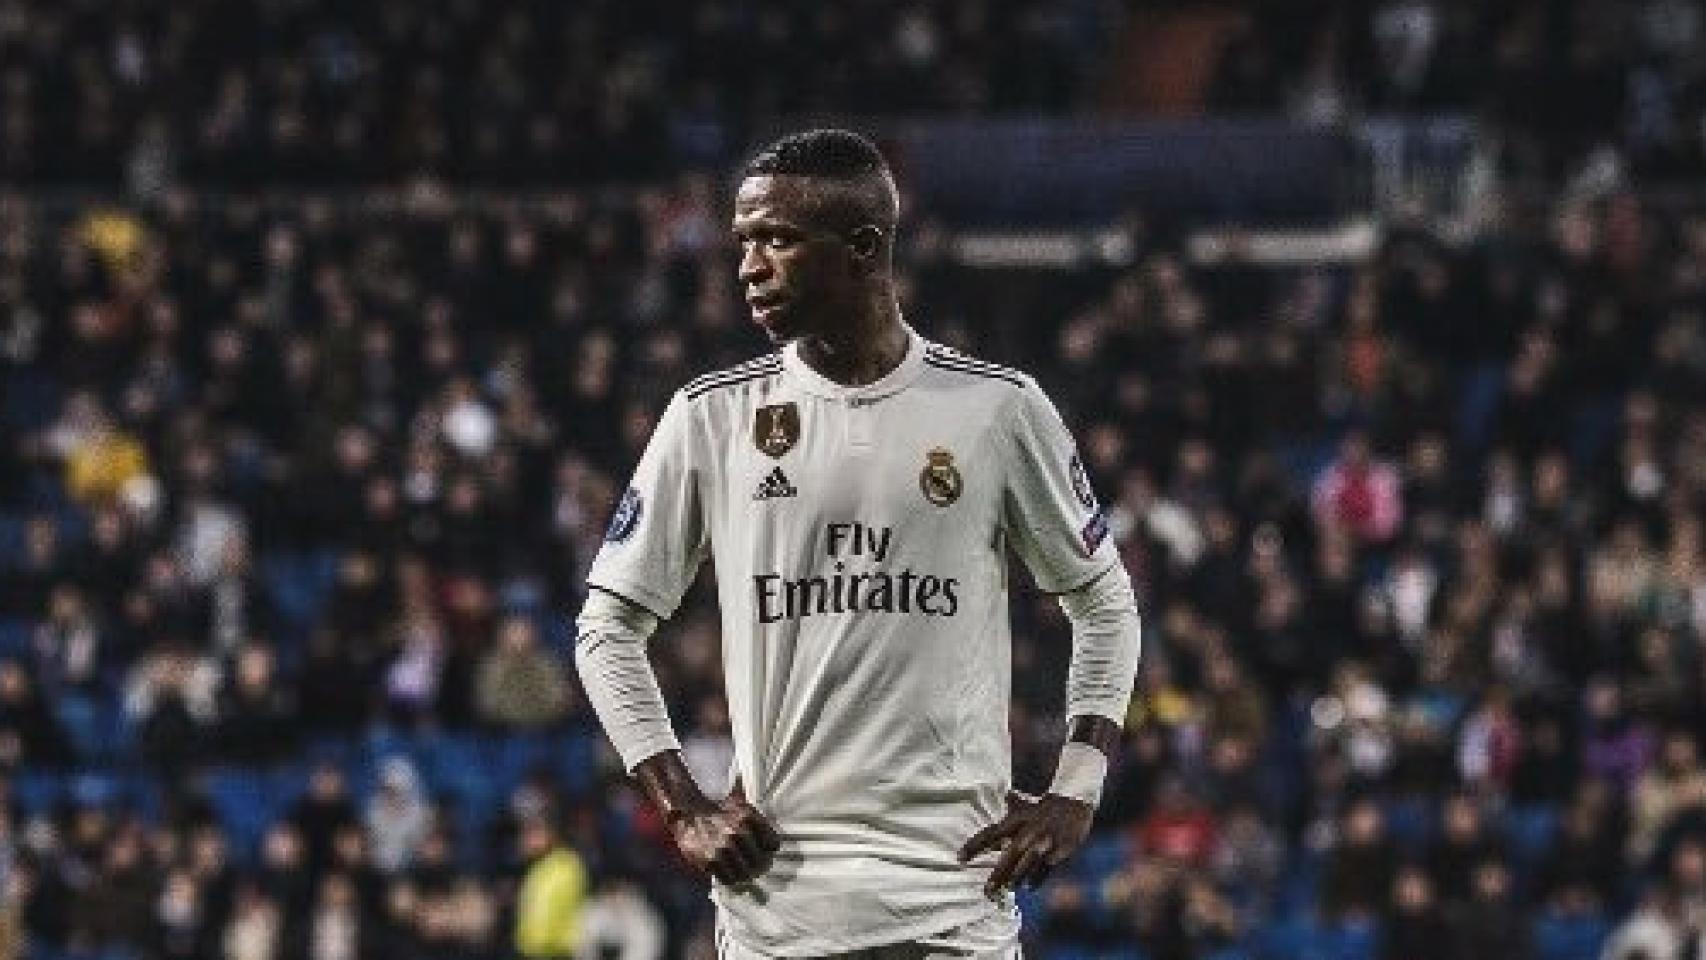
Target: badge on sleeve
940 480
1095 532
776 428
626 518
1081 483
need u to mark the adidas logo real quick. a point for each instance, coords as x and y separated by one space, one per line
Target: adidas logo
775 485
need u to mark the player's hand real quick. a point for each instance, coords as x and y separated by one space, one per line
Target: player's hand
730 840
1037 835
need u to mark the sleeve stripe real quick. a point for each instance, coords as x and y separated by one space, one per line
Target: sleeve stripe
625 599
765 363
762 363
942 363
695 392
944 353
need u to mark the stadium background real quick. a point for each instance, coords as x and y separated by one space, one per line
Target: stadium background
328 332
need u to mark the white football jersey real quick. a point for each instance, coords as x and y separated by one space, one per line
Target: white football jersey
859 536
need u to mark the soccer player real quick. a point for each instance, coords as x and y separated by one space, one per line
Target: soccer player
858 492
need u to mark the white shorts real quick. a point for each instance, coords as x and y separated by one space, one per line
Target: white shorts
951 944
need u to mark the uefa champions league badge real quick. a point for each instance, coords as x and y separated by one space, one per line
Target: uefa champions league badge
626 518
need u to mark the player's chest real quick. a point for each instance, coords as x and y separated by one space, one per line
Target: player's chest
897 460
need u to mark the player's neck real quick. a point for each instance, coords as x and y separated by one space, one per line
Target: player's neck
871 346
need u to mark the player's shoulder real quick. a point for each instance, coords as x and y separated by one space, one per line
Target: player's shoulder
953 366
729 379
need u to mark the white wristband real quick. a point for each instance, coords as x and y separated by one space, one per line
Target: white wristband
1080 773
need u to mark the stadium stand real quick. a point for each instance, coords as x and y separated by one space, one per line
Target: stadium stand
298 485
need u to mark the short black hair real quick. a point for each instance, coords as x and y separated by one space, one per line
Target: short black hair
855 187
831 153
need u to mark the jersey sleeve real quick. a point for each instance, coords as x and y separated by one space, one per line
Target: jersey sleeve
657 535
1050 514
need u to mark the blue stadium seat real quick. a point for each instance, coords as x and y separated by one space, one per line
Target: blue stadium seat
1410 821
1100 857
1302 938
1529 832
246 805
1291 940
575 761
517 756
96 788
17 639
300 584
446 756
86 721
1295 894
1354 940
1558 937
37 791
11 540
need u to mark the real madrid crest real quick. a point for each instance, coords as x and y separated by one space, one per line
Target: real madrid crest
776 428
940 479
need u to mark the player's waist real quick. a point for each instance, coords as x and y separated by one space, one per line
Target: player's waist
825 896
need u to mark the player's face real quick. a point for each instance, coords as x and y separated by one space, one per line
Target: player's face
795 274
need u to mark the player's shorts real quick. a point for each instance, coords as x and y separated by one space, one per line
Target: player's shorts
990 935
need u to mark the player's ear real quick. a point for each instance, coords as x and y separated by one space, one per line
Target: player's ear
866 241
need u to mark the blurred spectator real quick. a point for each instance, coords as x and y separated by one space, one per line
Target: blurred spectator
1464 844
1582 864
1179 829
257 711
101 462
1362 866
398 816
551 904
1250 854
1672 786
322 812
1653 930
1359 494
1490 745
30 734
619 923
256 928
1490 926
338 929
183 928
519 685
1414 926
171 700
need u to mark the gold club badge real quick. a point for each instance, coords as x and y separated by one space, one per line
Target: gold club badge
940 479
776 428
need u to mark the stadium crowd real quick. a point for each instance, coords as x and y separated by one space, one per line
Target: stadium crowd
319 93
295 496
312 91
295 501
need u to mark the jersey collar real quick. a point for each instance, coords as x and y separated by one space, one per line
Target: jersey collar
893 382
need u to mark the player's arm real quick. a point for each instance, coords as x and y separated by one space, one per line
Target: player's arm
654 546
1060 532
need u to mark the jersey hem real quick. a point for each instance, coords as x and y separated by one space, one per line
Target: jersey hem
885 937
